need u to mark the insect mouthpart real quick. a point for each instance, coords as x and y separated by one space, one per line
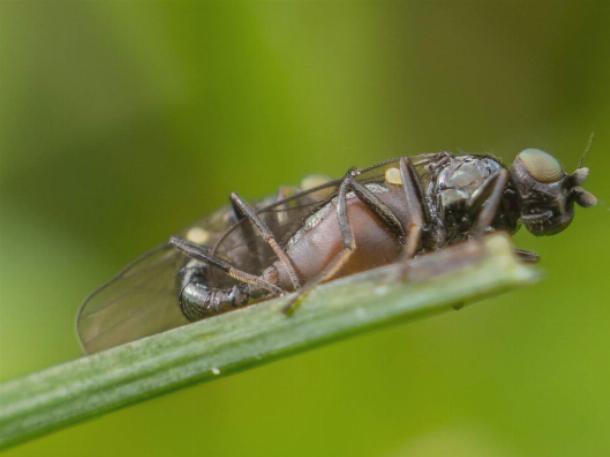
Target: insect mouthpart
537 217
547 222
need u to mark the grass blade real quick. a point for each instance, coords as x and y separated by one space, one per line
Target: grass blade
93 385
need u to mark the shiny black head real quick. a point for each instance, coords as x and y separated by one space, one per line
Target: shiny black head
547 193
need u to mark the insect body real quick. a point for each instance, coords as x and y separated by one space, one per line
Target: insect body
323 230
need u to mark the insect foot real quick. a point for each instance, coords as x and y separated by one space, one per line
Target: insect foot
294 303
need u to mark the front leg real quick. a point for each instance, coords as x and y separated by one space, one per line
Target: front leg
489 197
527 256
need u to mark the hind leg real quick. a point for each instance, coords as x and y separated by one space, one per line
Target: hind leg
263 231
197 252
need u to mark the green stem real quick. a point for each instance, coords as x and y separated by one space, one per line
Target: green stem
214 347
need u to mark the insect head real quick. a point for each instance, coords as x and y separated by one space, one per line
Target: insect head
546 192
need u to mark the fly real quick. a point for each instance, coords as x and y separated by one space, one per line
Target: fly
325 229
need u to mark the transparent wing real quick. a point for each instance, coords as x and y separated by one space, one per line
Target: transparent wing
139 301
283 214
142 299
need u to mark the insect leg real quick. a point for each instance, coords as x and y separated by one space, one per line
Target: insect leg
409 230
280 214
349 246
383 211
200 253
492 203
264 232
412 187
527 256
247 232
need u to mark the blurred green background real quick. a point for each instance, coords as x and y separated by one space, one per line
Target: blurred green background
121 122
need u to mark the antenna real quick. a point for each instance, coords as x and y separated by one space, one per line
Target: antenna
581 162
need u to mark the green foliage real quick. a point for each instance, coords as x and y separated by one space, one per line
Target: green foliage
257 334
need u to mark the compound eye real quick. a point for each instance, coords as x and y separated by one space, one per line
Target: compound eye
541 165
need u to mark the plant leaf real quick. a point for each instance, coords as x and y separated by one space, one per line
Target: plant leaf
214 347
